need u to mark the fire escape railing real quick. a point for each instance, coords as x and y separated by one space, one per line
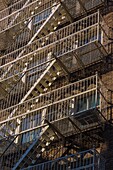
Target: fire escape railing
89 159
79 45
72 100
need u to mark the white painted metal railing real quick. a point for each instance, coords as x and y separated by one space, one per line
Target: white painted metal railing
12 8
59 104
89 41
21 28
68 43
84 23
27 11
75 8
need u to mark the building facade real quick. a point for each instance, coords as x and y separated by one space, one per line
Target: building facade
56 88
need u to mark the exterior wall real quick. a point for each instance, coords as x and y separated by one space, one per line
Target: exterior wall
107 147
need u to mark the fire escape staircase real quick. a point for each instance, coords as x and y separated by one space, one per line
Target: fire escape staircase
51 72
42 84
37 146
51 22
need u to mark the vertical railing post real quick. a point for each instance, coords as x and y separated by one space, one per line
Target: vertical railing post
96 95
98 26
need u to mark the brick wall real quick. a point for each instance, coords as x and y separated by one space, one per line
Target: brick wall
107 147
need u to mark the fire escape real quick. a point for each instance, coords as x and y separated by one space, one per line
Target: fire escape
44 126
